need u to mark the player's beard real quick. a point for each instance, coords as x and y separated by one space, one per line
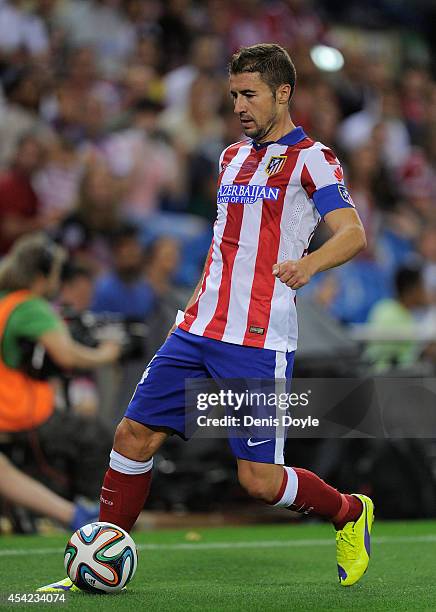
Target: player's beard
258 132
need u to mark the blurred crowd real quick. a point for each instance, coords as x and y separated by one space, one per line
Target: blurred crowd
113 114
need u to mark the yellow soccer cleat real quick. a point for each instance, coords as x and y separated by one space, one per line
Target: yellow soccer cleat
353 544
61 586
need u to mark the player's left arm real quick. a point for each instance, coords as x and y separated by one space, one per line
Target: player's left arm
322 181
347 240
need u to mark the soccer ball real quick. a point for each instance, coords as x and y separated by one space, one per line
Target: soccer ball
100 558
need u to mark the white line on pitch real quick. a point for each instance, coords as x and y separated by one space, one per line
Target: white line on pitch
424 539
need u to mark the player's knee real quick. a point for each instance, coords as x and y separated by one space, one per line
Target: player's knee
136 441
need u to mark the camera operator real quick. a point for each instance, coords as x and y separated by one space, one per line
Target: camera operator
66 448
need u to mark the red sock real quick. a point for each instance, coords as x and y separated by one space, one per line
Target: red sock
315 494
123 496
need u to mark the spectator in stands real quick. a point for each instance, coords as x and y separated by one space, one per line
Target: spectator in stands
371 185
397 315
176 32
325 120
102 25
20 208
57 182
80 84
205 58
22 32
86 233
296 23
94 127
151 169
20 114
418 184
415 97
162 259
351 89
427 247
198 126
248 25
125 290
356 129
84 78
63 110
150 53
163 256
139 81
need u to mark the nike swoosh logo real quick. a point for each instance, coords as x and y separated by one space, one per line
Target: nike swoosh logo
250 443
111 490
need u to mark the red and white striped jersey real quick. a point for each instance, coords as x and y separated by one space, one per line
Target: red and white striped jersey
270 199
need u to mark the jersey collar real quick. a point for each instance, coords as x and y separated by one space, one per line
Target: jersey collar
289 139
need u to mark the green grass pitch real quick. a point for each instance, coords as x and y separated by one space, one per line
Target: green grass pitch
237 569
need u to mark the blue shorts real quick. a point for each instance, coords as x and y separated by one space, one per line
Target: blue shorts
159 398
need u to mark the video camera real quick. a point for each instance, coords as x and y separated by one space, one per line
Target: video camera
89 329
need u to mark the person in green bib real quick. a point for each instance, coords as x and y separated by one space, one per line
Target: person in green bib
29 278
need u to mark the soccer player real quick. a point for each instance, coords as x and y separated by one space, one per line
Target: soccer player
274 187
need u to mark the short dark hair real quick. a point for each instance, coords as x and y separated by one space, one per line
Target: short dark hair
127 230
71 271
407 277
147 105
271 61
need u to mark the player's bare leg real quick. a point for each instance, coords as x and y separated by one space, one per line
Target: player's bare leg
127 481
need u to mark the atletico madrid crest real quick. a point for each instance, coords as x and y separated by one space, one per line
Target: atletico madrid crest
275 164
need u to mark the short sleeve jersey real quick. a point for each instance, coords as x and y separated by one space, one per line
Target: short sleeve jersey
270 199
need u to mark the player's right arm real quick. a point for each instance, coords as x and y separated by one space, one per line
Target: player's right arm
67 353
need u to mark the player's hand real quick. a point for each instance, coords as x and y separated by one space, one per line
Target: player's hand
294 274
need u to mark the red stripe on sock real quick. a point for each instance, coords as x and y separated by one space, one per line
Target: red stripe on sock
123 497
282 488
